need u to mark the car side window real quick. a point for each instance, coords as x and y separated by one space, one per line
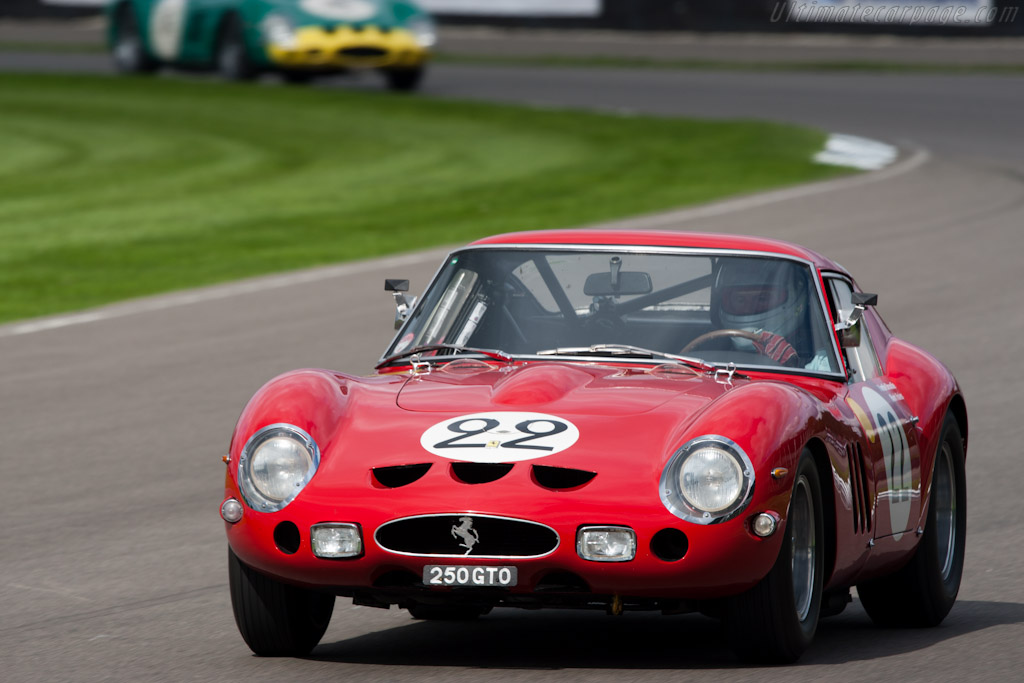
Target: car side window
861 360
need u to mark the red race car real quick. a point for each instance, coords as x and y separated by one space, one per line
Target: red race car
609 420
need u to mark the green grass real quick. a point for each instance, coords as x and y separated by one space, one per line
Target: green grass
116 188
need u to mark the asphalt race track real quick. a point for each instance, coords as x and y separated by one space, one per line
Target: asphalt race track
113 556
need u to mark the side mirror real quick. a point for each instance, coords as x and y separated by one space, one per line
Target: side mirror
849 329
849 338
403 303
864 299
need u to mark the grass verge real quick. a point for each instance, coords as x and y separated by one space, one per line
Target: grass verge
117 188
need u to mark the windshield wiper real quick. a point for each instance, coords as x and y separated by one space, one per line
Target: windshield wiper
490 353
627 350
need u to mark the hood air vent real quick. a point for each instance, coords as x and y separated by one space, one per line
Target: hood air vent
402 475
479 472
561 478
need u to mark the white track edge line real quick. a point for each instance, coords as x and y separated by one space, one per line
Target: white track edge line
161 302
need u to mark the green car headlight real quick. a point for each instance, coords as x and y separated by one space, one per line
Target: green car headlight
278 30
424 30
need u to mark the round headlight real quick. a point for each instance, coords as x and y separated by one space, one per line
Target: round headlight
276 463
708 480
424 31
278 30
278 466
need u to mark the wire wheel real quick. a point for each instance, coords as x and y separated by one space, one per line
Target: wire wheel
802 540
944 500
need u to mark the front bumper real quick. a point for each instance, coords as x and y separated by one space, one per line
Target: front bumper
317 48
723 559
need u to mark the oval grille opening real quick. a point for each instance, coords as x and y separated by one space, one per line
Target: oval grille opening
466 536
561 478
670 545
363 52
479 472
400 475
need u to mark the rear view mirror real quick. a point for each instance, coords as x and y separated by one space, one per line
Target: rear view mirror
628 284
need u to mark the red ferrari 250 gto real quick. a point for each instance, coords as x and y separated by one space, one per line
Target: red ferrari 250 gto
609 420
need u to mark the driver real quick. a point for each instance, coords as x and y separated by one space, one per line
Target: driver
764 297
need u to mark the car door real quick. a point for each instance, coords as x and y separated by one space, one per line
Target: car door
890 445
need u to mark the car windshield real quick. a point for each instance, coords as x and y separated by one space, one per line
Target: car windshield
749 310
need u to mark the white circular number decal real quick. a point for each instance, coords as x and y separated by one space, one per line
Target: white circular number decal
342 10
166 28
896 452
500 437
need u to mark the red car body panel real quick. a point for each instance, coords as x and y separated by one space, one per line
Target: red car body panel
632 417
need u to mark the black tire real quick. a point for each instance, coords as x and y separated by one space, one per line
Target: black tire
447 612
775 621
297 77
923 592
404 80
276 619
129 54
233 60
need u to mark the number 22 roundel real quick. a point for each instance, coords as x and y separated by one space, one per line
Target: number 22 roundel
500 437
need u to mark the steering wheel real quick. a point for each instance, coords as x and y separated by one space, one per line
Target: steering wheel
719 334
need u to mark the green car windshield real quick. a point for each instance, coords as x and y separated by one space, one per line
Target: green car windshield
748 310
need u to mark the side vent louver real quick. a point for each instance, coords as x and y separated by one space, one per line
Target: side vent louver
402 475
859 490
479 472
561 478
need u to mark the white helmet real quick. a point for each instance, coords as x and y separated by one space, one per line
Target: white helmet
756 294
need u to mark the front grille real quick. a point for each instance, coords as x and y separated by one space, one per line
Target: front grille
362 52
466 536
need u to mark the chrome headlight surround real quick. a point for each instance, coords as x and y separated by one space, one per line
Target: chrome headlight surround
279 31
671 487
423 30
265 501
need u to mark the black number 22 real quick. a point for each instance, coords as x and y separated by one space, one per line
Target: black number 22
525 427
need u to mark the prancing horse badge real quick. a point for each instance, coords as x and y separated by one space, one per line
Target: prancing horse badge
467 533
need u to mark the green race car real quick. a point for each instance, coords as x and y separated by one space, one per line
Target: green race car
297 38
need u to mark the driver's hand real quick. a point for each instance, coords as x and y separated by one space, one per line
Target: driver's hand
777 348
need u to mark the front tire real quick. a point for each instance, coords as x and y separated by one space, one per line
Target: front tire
775 621
405 79
276 619
923 592
130 56
297 77
233 60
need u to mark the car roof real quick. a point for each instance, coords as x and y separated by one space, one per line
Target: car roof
664 238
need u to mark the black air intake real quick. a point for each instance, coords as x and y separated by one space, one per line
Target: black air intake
401 475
